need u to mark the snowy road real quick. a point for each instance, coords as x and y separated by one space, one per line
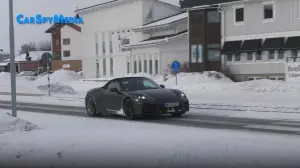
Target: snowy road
67 141
192 119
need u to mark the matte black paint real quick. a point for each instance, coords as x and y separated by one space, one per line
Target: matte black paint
108 102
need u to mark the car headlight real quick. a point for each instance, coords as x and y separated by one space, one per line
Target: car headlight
182 95
142 98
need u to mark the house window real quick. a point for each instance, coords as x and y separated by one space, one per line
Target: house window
298 8
110 43
229 58
213 55
258 56
213 16
66 41
271 55
156 67
214 52
111 66
67 53
268 10
103 43
135 67
280 54
140 66
250 56
104 67
294 53
197 51
239 14
57 42
96 44
128 67
145 66
150 67
237 57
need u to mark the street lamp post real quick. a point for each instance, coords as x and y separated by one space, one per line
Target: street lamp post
12 59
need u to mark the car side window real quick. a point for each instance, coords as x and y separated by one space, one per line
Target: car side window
111 85
148 84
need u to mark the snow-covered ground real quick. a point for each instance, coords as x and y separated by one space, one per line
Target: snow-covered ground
95 141
210 93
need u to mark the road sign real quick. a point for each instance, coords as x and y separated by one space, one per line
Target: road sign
176 66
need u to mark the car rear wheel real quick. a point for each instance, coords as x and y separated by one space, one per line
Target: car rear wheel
129 109
91 106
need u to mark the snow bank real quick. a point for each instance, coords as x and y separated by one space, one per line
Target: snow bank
269 86
59 81
60 76
9 123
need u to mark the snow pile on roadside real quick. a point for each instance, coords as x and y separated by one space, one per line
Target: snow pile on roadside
269 86
59 81
9 123
57 88
60 76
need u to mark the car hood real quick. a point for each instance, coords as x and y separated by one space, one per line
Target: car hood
161 95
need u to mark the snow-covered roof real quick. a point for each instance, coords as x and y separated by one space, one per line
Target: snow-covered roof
156 41
35 56
4 63
164 21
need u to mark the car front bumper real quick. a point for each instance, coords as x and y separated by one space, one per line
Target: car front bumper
145 108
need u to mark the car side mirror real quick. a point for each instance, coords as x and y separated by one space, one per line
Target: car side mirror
114 90
163 86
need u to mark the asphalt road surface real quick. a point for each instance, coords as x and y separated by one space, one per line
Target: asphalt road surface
191 119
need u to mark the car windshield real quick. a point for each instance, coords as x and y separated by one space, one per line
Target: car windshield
133 84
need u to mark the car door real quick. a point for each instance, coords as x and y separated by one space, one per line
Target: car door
113 100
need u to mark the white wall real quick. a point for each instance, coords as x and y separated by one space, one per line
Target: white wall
286 19
121 16
112 19
165 53
74 46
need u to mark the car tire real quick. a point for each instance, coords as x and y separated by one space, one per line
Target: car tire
129 109
177 114
90 106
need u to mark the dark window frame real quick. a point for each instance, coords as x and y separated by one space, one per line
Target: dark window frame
239 15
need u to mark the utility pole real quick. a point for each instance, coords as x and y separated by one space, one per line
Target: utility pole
12 59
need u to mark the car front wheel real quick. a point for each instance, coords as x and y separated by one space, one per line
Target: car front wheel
129 109
90 106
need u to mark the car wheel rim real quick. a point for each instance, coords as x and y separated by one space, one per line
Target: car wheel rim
90 107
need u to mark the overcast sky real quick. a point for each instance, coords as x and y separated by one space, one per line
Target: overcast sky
27 33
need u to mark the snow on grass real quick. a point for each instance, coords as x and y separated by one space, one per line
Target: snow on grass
80 142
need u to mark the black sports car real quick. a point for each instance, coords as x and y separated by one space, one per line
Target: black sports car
135 97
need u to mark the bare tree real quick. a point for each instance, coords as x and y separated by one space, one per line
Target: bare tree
28 47
44 45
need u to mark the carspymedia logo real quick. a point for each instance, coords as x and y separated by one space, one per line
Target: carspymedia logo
56 19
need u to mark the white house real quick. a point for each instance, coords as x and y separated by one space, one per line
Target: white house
259 37
164 41
70 40
108 27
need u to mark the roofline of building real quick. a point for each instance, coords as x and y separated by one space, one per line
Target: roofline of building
158 42
97 5
49 30
209 6
157 26
113 1
165 18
